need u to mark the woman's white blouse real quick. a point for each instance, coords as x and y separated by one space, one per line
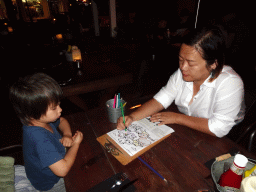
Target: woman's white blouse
220 101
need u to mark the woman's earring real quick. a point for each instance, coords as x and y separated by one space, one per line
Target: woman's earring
213 73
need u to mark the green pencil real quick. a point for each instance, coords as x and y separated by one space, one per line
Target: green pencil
123 115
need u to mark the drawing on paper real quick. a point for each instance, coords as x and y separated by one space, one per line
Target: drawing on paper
139 135
135 136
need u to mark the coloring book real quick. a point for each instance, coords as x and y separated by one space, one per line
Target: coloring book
139 135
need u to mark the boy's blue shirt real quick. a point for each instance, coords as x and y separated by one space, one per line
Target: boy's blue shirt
41 148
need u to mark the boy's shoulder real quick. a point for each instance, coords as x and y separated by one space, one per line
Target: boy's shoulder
33 132
31 128
38 128
39 132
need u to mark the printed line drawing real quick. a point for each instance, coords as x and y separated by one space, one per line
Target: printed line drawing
136 136
139 135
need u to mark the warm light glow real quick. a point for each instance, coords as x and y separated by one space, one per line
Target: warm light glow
10 29
136 106
59 36
76 53
5 24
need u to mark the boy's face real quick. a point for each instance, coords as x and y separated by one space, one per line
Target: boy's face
52 114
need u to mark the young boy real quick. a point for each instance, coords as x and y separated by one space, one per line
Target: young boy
36 100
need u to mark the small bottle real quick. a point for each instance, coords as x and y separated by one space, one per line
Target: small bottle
233 176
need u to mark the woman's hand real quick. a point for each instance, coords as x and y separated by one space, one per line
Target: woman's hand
66 141
165 118
120 122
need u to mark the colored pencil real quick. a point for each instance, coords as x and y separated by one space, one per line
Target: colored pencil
119 100
124 104
123 116
114 104
152 169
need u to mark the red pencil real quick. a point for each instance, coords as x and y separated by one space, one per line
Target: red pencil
114 104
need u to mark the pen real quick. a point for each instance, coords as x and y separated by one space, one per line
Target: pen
123 116
152 169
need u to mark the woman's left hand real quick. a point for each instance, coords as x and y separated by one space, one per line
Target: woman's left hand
165 118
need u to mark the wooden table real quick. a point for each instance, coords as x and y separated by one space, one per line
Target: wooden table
180 158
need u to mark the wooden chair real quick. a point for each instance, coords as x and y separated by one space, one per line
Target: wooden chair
251 127
246 130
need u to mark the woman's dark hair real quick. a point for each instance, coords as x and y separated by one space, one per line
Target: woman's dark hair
210 43
31 96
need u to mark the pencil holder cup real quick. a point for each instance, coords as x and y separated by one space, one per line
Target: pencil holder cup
114 112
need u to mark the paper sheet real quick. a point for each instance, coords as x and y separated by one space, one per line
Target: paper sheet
139 135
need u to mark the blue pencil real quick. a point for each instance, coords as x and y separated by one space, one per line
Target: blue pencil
119 102
152 169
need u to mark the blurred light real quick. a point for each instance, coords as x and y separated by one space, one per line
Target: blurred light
136 106
59 36
10 29
76 54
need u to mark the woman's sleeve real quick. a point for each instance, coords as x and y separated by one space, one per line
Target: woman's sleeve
167 94
228 103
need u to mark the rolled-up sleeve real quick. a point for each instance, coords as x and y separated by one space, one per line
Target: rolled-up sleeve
227 105
167 94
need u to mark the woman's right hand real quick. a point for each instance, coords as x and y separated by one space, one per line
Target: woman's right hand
120 122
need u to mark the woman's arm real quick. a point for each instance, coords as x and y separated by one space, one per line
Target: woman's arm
197 123
150 107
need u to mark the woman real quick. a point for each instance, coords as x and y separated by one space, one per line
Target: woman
208 93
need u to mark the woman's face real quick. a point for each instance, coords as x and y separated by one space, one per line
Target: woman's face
193 66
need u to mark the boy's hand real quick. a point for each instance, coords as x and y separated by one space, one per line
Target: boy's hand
66 141
77 138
